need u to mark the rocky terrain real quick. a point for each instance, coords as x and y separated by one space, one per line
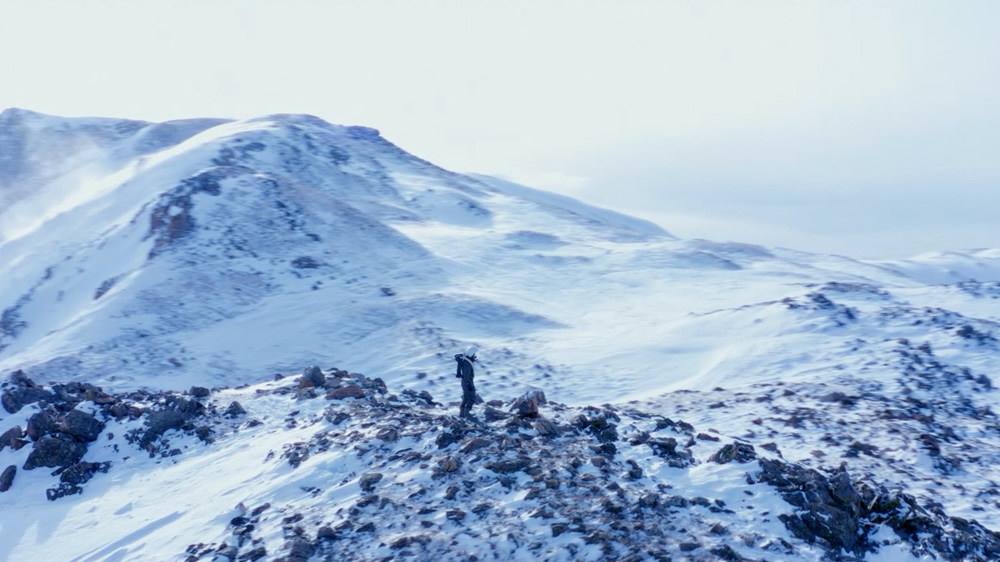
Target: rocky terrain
647 397
371 474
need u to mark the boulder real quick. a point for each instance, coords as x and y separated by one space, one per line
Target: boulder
474 444
492 414
199 392
82 472
81 425
509 466
159 422
25 392
739 452
42 423
525 407
234 409
54 451
313 377
388 434
368 481
349 391
829 508
7 478
546 427
10 436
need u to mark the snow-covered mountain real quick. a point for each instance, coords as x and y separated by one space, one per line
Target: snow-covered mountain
143 257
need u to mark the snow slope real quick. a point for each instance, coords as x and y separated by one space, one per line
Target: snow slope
217 253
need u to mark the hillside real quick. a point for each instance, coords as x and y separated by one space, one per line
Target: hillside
154 273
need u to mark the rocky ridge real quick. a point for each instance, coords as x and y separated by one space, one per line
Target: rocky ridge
397 476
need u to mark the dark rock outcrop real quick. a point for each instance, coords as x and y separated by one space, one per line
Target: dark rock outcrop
369 480
738 452
11 436
7 478
53 452
349 391
312 377
81 425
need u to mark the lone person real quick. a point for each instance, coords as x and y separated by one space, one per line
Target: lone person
466 373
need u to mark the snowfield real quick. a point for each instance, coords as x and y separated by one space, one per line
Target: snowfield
143 258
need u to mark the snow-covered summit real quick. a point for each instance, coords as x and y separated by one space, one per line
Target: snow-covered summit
206 250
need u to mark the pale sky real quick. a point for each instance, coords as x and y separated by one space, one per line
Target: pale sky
870 129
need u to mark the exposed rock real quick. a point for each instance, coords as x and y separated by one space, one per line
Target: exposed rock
254 555
446 438
368 481
830 508
7 478
474 444
10 436
349 391
739 452
546 427
81 425
54 451
510 465
42 423
492 414
388 434
73 476
525 407
24 392
313 377
299 550
235 409
199 392
326 533
449 464
159 422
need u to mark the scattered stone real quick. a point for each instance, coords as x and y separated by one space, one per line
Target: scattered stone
10 436
349 391
707 437
455 515
81 425
42 423
26 392
368 481
474 444
388 434
509 466
7 478
235 409
546 427
449 464
313 377
492 414
649 500
326 533
52 451
199 392
526 407
739 452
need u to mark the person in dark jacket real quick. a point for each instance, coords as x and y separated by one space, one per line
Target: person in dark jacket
466 372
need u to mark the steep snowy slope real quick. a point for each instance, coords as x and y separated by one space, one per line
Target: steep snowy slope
140 256
217 252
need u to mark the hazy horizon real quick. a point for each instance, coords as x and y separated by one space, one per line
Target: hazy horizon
863 129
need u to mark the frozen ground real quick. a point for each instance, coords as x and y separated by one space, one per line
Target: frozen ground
217 253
